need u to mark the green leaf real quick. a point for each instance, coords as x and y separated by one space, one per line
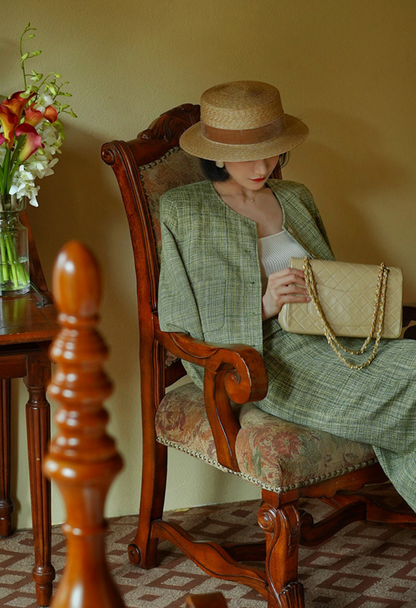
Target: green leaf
57 75
24 57
73 114
36 53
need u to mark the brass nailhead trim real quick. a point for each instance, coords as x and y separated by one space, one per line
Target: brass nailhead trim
257 482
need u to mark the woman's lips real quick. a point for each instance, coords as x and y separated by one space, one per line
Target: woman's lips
259 179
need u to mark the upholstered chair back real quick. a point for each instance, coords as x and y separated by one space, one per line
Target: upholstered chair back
173 169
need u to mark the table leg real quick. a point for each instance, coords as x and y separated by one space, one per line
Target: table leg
6 503
38 434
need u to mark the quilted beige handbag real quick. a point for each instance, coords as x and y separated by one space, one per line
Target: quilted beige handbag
353 300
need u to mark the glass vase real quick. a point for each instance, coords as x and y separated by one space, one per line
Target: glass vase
14 247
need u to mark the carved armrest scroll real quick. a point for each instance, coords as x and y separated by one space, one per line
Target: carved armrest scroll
234 372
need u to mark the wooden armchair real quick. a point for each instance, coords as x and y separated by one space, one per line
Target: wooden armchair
237 439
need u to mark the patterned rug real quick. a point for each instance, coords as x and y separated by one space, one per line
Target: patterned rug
362 567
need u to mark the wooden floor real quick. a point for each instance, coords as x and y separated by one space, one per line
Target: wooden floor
362 567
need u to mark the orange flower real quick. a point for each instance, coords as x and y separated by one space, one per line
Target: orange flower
11 111
9 122
34 117
16 103
33 141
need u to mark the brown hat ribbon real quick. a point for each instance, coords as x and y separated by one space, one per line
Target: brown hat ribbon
244 136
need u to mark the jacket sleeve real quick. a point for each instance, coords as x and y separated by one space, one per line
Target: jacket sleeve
177 307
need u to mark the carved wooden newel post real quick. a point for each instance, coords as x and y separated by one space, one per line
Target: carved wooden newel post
82 458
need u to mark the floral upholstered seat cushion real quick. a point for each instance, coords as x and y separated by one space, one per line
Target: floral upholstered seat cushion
271 452
181 421
287 455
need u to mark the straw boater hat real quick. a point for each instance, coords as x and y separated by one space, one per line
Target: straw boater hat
242 121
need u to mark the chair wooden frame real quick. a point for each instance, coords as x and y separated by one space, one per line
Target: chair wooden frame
234 373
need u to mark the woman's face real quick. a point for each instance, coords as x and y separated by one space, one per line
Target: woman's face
251 174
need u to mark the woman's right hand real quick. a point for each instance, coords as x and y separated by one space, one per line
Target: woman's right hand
284 286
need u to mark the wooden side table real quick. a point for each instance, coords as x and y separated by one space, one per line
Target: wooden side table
27 327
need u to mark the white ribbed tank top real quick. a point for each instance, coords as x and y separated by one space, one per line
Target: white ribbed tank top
275 252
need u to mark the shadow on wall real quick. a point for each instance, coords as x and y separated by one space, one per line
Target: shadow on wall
81 201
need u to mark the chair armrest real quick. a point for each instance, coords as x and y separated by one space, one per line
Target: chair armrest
234 372
409 315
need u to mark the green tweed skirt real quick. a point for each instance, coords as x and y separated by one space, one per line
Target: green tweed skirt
309 385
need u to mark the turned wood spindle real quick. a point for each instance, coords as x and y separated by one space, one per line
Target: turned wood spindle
82 458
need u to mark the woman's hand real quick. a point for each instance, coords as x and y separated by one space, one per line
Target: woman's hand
284 286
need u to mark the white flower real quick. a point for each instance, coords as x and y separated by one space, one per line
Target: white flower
43 101
23 184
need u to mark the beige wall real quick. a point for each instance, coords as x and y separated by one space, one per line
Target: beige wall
347 68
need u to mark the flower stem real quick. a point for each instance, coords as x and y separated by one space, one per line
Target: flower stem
6 164
12 259
14 163
4 269
21 273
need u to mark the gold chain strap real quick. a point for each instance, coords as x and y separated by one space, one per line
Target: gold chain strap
376 324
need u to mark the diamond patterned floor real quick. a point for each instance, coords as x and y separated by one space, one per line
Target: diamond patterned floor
362 567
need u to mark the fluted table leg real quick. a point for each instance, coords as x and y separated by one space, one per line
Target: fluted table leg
6 503
38 435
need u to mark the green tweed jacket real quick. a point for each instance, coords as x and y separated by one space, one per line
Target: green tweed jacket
210 280
210 287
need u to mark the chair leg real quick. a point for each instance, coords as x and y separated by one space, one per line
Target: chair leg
282 526
6 503
142 550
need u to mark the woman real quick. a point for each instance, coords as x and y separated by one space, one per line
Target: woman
226 246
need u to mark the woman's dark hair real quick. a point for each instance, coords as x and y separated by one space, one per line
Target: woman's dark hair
215 174
212 172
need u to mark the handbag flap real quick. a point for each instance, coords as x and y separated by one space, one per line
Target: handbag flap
346 293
